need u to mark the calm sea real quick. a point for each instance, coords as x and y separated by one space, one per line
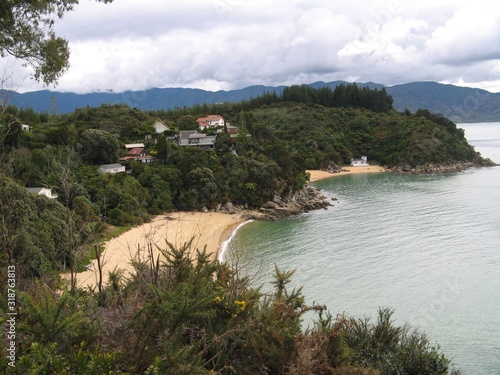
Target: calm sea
426 246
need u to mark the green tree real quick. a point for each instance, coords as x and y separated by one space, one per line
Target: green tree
16 209
202 181
99 147
26 32
164 149
187 123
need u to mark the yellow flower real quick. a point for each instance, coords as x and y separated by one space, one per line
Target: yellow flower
241 305
218 299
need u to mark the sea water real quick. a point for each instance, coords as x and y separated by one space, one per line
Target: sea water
426 246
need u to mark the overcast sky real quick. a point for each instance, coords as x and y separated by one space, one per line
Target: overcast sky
231 44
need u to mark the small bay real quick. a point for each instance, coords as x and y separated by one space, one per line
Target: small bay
427 246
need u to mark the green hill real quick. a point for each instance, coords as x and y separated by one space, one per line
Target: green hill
461 104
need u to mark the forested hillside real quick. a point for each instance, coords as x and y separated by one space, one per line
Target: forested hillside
279 138
179 318
461 104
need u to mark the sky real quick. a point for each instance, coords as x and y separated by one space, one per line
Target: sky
231 44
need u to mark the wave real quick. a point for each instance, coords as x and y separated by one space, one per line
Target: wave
226 243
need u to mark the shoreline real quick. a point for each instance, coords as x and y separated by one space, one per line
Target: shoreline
215 230
316 174
210 229
227 242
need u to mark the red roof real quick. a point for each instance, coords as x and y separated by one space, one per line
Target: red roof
204 121
135 151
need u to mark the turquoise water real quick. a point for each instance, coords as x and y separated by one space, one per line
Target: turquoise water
427 246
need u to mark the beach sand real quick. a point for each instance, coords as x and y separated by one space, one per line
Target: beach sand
319 175
210 229
207 228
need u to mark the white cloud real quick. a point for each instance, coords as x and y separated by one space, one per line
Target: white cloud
470 35
226 44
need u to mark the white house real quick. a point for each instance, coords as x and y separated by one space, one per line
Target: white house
25 127
210 121
112 168
160 126
363 162
42 191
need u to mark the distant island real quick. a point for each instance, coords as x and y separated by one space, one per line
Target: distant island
459 104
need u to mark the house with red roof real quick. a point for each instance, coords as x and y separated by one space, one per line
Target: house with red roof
211 121
139 154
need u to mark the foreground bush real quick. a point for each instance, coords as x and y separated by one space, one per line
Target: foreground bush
190 314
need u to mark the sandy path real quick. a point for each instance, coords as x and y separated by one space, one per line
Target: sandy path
210 229
319 175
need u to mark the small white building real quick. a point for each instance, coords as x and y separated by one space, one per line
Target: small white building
25 127
160 126
362 162
42 191
112 168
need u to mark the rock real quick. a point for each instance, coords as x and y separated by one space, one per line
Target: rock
271 204
449 167
230 208
289 204
332 168
278 201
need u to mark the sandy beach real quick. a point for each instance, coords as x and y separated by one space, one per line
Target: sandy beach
210 229
319 175
207 228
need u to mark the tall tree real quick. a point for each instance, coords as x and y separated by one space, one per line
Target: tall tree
26 32
187 123
98 147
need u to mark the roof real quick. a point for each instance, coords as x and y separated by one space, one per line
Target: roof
139 157
204 121
159 121
35 190
135 151
210 118
42 191
134 145
197 135
186 133
109 166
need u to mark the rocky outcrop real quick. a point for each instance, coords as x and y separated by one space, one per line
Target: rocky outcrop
332 168
305 200
450 167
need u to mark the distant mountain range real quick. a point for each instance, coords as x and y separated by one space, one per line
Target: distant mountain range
460 104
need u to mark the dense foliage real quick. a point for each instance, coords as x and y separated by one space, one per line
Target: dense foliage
277 142
321 135
188 316
193 315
